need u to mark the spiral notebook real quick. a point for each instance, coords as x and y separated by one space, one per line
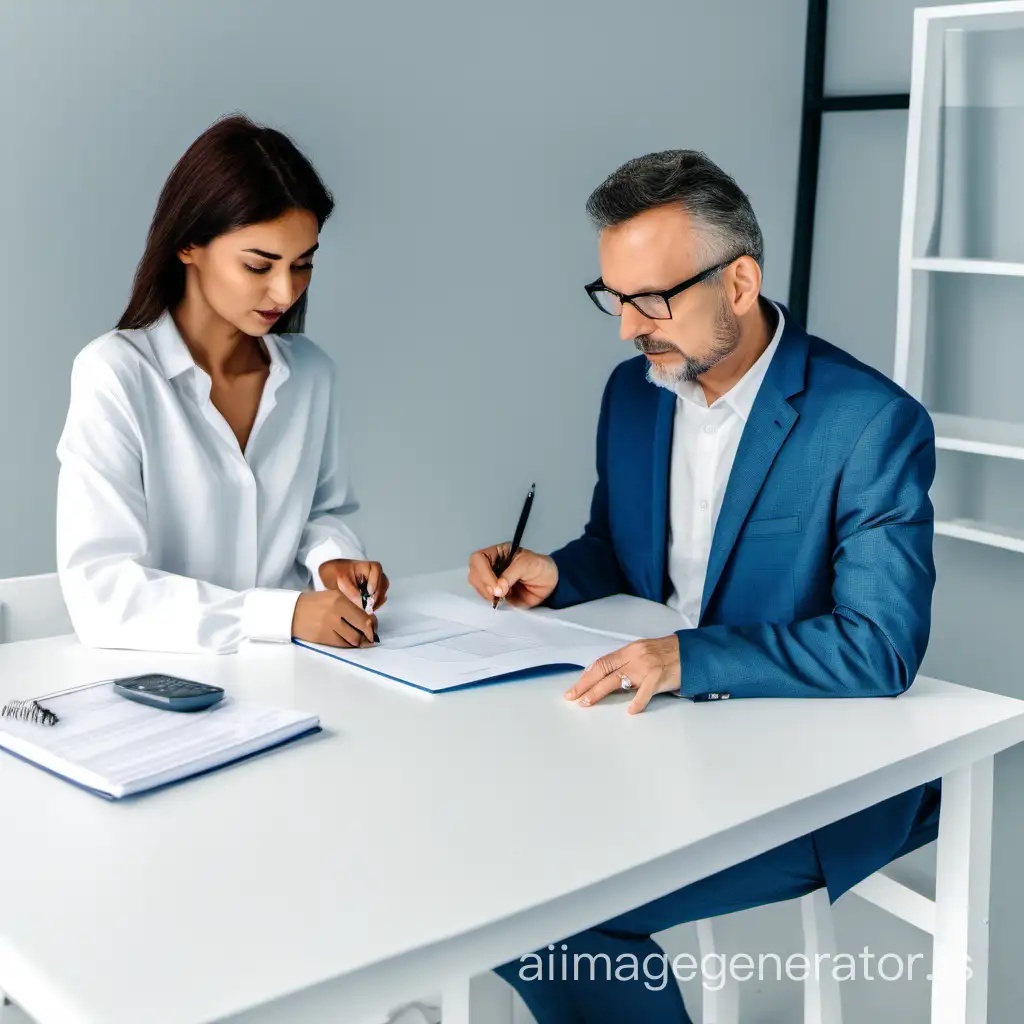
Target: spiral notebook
115 747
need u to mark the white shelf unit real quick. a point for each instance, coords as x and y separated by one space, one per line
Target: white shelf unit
982 533
948 265
949 84
980 437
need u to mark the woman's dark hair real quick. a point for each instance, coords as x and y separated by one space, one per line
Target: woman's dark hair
235 174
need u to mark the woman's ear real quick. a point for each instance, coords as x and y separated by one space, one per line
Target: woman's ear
186 255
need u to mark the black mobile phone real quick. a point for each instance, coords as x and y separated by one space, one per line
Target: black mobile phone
169 692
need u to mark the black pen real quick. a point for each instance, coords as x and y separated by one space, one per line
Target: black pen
365 595
501 564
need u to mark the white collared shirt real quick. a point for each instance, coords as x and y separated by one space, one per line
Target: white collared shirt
168 537
704 443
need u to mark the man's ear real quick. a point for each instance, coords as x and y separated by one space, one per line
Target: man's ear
746 284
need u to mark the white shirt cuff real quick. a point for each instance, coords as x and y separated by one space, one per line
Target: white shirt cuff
267 614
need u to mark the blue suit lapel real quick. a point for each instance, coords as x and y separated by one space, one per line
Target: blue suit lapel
771 419
661 455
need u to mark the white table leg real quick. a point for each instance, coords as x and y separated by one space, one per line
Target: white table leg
490 1000
822 1003
719 1006
962 875
520 1012
455 1001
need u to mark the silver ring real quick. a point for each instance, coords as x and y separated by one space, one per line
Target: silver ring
625 682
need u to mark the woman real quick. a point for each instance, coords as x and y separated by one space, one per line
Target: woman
202 484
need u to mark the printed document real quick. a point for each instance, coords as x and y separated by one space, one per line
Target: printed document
439 641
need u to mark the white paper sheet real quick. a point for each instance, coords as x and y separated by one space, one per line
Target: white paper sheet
438 642
117 746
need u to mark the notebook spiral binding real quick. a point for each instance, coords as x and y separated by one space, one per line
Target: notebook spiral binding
32 711
29 711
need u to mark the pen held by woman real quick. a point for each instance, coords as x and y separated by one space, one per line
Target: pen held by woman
367 600
363 584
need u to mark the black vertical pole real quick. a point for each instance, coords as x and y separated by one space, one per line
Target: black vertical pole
810 148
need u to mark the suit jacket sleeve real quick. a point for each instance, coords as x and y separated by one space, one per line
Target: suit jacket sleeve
874 640
588 567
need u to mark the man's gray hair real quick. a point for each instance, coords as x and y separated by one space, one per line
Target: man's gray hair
721 212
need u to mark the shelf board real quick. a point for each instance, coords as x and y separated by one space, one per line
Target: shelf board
978 436
981 533
956 266
976 17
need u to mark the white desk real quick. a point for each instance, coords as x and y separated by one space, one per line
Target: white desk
424 839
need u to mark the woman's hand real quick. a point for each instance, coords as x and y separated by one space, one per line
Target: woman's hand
346 575
329 617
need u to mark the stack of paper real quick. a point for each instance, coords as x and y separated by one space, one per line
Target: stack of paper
116 747
439 642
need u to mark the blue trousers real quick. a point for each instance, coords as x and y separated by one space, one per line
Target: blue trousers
651 995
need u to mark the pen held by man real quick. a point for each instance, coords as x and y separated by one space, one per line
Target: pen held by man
505 554
527 580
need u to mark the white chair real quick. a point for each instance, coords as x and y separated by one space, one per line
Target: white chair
822 1002
821 993
32 607
493 1001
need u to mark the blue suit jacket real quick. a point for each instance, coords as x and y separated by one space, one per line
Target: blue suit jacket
820 577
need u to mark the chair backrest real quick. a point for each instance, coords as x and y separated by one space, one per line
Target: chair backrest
32 607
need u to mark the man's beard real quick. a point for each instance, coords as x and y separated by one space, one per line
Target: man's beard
726 337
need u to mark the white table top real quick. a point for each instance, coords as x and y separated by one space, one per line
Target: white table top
418 832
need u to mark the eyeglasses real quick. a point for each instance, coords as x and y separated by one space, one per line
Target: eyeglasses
653 305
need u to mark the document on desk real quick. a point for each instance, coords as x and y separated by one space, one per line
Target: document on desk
117 747
438 642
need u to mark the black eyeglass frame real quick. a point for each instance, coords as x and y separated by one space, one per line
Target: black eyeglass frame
599 286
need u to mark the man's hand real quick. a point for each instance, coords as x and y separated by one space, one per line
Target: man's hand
650 667
346 574
528 581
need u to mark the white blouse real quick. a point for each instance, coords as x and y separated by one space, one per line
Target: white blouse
169 538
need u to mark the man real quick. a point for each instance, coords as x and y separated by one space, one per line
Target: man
770 488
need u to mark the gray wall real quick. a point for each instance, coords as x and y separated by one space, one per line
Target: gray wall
461 140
